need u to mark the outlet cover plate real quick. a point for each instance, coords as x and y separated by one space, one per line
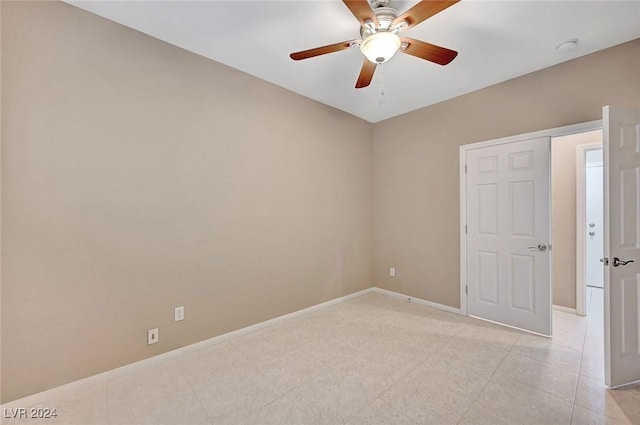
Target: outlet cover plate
152 336
178 314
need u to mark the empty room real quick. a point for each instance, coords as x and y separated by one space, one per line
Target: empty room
320 212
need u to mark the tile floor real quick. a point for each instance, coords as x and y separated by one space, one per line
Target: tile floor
371 360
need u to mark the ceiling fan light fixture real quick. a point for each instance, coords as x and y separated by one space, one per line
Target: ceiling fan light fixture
379 47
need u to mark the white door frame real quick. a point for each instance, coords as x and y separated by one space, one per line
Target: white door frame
553 132
581 224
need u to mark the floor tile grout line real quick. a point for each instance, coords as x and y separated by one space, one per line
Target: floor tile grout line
246 357
106 392
388 406
481 390
600 413
523 383
193 390
490 345
552 366
525 354
584 340
555 367
541 390
405 375
241 420
573 409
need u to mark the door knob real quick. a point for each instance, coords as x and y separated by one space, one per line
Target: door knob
539 247
618 262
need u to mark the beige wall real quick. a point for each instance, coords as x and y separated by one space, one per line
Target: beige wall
137 177
416 183
563 213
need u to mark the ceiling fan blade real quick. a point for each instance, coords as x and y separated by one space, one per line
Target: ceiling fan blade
306 54
366 74
361 9
430 52
422 11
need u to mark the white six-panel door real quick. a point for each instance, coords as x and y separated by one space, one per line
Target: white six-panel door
508 233
622 244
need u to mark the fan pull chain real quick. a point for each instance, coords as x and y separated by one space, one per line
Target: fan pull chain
381 66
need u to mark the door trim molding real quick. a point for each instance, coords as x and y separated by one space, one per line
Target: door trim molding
581 224
552 132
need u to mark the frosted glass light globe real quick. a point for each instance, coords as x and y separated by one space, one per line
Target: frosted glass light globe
379 47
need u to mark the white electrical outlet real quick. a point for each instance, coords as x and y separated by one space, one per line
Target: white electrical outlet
152 336
392 272
178 314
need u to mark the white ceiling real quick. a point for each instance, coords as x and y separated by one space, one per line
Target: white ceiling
496 41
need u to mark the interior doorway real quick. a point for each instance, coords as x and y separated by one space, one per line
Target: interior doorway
589 215
571 230
594 249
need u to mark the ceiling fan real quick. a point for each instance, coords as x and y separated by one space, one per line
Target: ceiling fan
380 29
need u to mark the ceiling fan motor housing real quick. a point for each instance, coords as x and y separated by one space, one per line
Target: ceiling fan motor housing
379 3
385 15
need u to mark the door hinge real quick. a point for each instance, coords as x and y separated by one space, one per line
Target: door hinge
465 228
466 289
465 168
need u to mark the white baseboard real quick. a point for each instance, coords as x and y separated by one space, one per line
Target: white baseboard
417 300
44 396
564 309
